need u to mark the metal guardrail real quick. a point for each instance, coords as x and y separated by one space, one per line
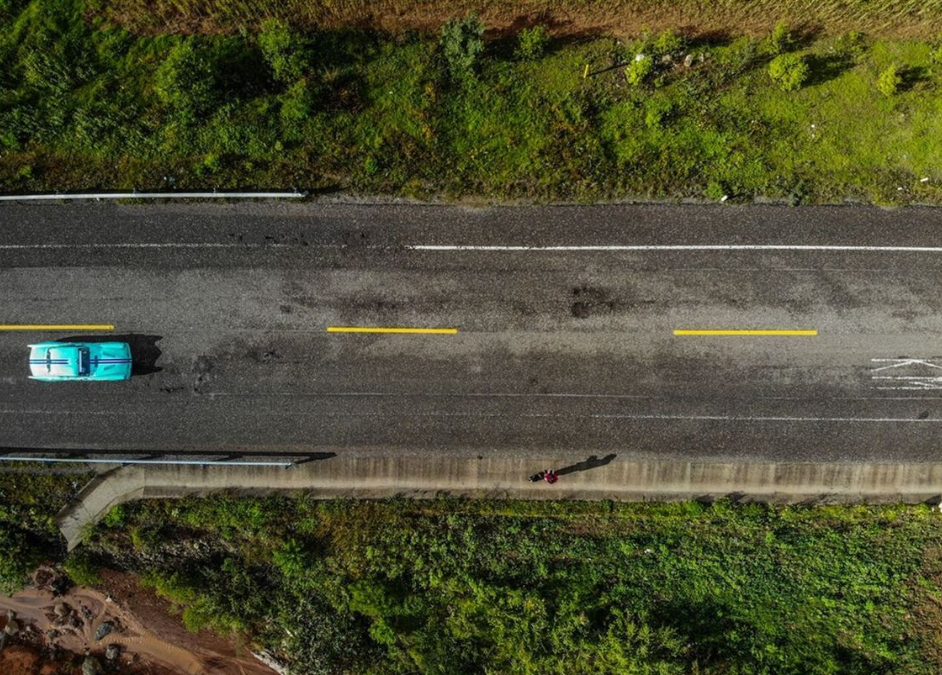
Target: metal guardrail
172 462
154 195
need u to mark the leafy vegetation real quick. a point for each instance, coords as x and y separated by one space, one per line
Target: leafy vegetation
88 105
29 502
527 587
789 70
889 81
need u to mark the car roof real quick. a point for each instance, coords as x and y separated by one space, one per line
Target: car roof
53 360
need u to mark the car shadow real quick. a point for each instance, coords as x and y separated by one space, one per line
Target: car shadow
144 350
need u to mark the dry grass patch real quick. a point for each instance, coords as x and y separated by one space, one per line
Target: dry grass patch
900 18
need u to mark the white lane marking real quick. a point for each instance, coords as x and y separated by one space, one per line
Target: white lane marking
498 395
20 247
682 247
672 418
485 248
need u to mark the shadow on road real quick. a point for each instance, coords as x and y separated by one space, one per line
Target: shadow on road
592 462
144 349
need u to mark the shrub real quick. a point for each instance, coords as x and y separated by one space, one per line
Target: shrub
462 42
790 71
81 569
780 40
284 51
851 44
668 42
736 58
17 560
116 517
296 103
639 70
532 43
889 81
186 80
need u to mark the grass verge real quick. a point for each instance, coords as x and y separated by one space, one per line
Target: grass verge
785 117
530 587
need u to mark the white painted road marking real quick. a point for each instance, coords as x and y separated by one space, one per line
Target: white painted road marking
670 418
682 247
899 363
907 382
483 248
22 247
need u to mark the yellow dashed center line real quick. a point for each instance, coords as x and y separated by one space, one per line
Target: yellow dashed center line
380 329
56 326
760 332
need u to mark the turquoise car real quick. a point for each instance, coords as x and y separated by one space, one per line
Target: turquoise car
79 361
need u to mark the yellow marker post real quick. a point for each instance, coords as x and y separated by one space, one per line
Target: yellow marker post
760 332
56 326
379 329
585 73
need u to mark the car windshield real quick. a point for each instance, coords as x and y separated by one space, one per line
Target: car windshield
83 362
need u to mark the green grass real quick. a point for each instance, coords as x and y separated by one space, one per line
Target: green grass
85 106
526 587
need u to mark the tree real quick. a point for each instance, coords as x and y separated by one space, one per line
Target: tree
462 42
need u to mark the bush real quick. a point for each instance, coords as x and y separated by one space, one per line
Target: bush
851 44
780 40
668 43
639 70
81 569
186 80
737 58
790 71
284 51
889 81
532 43
17 560
462 42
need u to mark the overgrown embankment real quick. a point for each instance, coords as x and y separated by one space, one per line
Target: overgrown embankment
566 587
454 114
359 587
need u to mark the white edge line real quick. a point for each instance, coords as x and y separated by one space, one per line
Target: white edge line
674 418
156 195
681 247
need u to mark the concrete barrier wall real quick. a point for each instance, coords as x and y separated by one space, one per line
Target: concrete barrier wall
506 478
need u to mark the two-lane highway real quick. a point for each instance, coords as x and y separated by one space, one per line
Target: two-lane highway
566 319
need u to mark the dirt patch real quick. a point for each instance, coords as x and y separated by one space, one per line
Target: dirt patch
904 18
60 628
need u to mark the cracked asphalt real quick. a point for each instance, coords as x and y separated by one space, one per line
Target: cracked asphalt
565 337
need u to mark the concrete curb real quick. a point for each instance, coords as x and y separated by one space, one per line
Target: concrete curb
506 478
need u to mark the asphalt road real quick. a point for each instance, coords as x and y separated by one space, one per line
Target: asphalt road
565 344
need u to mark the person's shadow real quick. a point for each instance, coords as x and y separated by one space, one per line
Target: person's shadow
592 462
144 349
